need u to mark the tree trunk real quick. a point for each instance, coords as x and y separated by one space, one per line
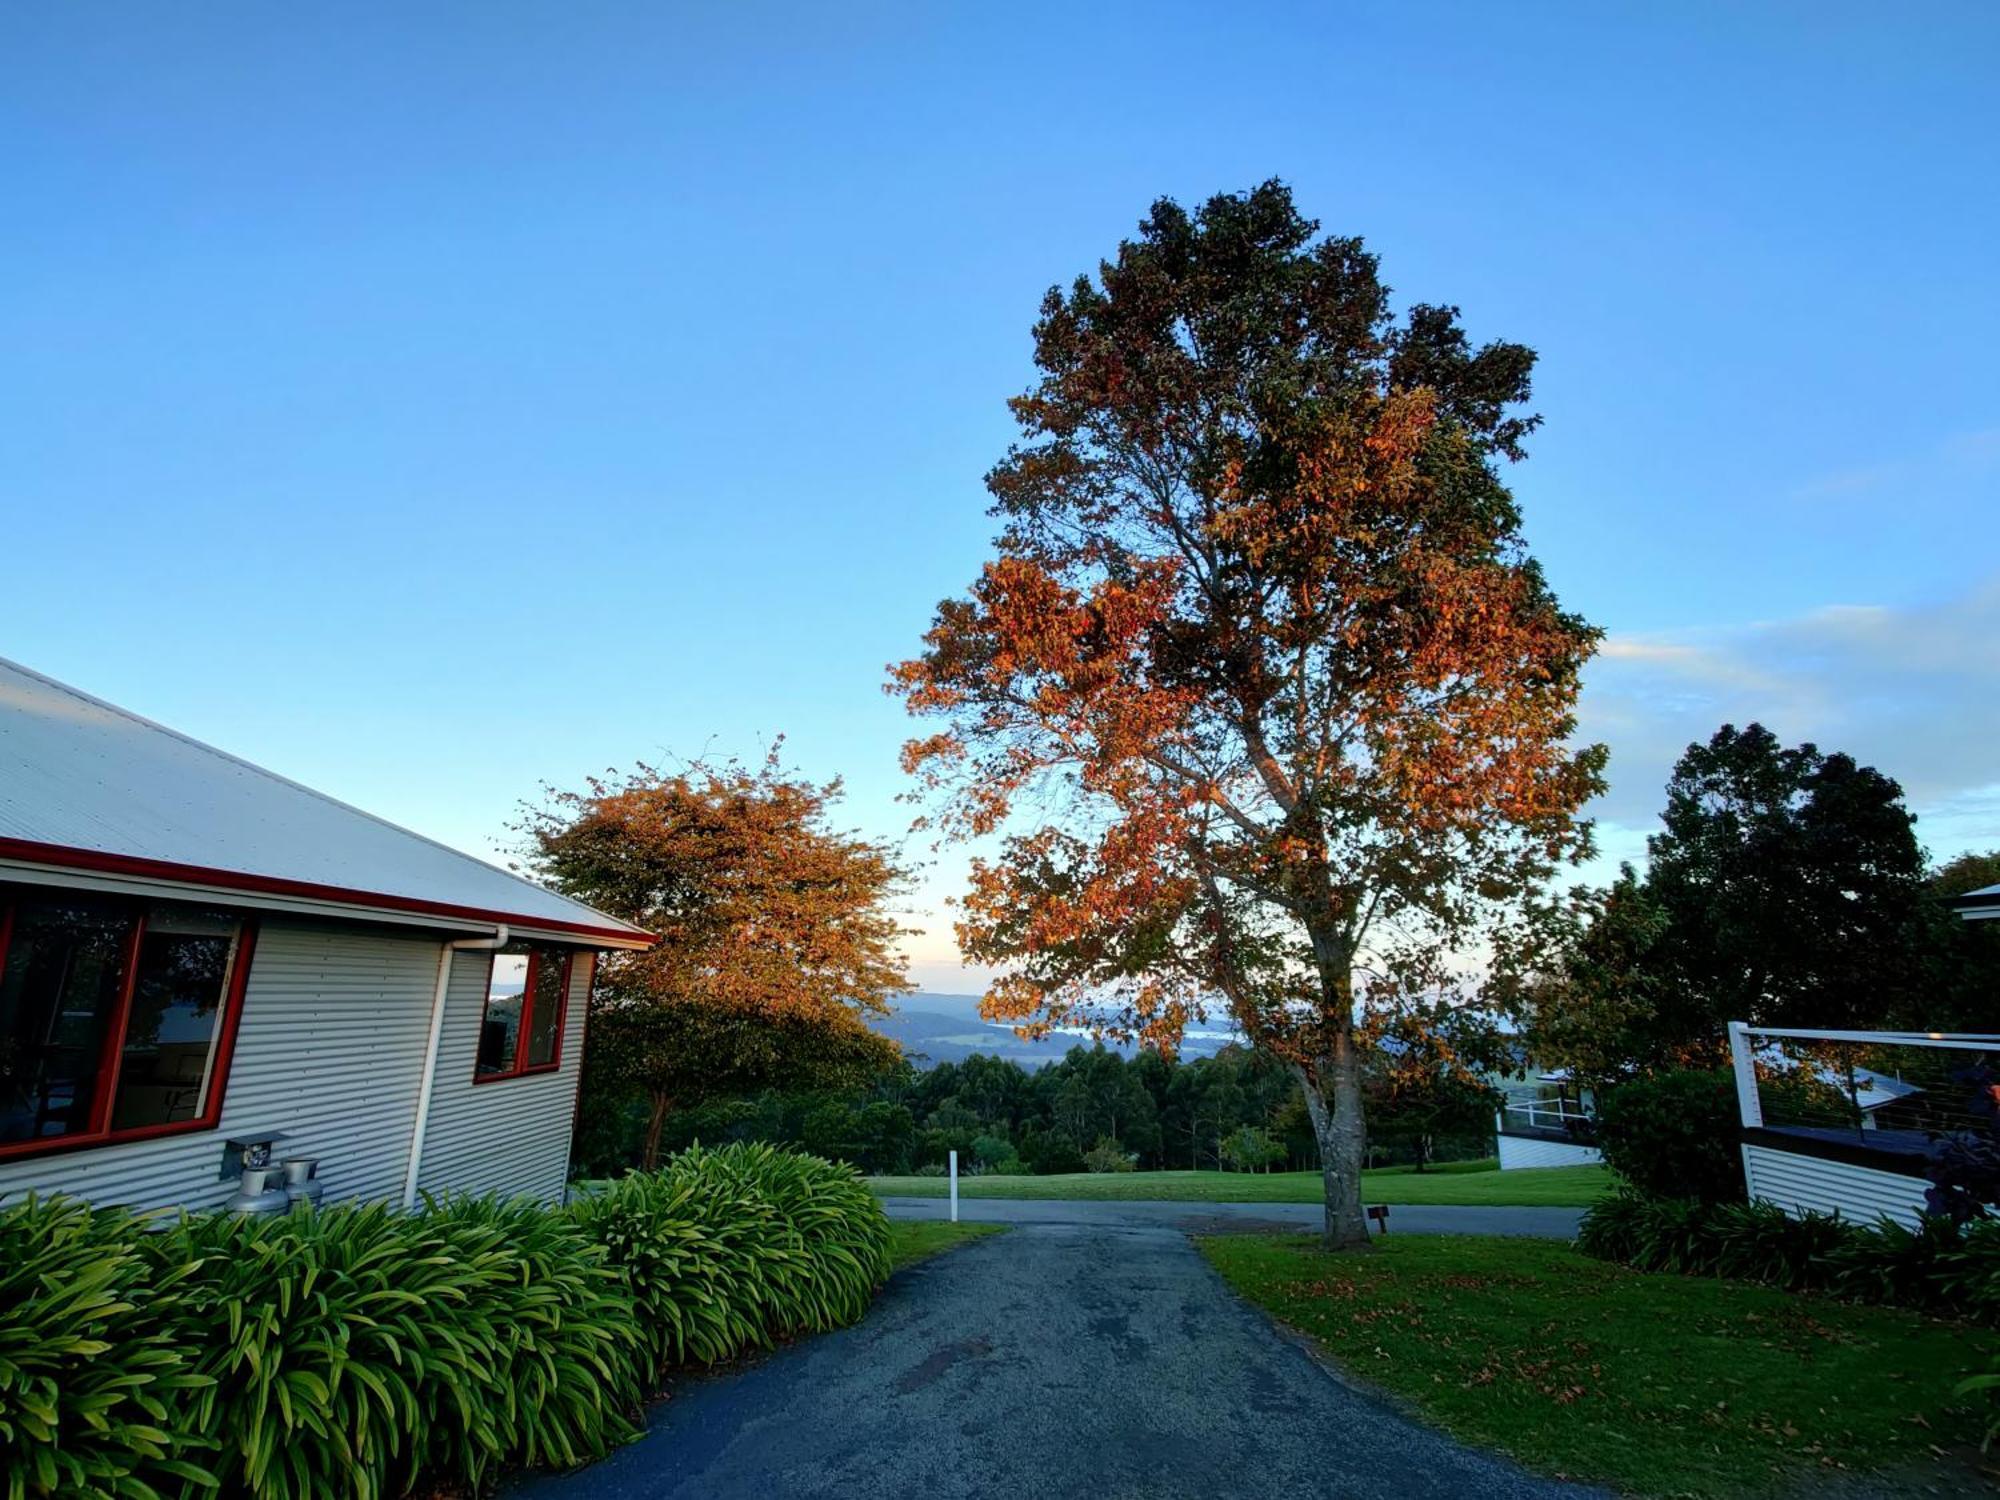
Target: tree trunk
1342 1137
649 1157
1333 1094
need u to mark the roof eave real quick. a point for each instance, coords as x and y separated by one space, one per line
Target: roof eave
1976 905
29 855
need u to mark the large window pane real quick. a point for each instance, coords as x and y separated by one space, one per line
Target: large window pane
545 1015
178 998
500 1027
59 987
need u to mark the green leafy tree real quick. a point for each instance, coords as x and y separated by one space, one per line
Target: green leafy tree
1792 885
1968 967
1787 888
1429 1076
1968 872
1108 1155
1250 1149
1604 1003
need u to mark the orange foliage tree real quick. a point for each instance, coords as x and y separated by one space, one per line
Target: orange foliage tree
777 937
1262 701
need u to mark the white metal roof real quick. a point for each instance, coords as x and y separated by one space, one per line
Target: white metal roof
1872 1090
85 785
1984 902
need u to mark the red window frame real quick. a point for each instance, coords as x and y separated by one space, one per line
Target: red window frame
112 1056
520 1068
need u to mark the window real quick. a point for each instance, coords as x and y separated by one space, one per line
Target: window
116 1018
527 996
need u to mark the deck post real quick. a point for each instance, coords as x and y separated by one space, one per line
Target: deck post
1748 1106
1745 1063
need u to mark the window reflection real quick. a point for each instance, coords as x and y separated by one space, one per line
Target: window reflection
500 1027
59 989
177 1006
545 1019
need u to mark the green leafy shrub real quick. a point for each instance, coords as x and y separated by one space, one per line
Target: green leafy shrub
1990 1384
1108 1156
1897 1265
353 1349
356 1351
989 1151
825 1212
1761 1242
734 1248
1939 1266
1968 1273
1674 1135
1611 1226
94 1385
1676 1237
689 1261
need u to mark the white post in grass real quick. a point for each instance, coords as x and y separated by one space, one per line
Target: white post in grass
954 1187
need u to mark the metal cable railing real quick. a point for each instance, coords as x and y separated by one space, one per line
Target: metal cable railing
1893 1091
1549 1117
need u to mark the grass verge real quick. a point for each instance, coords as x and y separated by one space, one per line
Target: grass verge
1655 1384
1477 1183
912 1240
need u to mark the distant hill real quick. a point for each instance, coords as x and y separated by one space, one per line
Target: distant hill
934 1028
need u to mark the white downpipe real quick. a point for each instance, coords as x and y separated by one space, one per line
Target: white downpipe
429 1083
954 1187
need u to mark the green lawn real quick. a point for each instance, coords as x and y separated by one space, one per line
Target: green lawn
1457 1182
912 1240
1655 1384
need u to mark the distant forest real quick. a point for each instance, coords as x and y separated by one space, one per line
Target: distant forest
1093 1109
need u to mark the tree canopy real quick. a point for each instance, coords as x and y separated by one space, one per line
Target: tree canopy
1792 884
776 934
1786 888
1261 688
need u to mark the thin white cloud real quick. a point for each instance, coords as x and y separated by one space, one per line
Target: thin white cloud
1963 452
1914 692
1846 482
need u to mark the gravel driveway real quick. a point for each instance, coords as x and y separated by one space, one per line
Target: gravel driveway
1065 1358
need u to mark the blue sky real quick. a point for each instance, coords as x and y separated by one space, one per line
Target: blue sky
430 400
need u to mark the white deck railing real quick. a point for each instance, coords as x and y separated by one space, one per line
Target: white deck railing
1843 1122
1546 1114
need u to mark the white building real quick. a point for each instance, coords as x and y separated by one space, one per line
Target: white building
194 951
1980 905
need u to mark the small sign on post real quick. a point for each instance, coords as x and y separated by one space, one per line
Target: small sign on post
1380 1214
954 1187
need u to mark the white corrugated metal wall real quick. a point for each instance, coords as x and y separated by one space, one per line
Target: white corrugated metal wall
510 1136
1860 1194
330 1050
1518 1151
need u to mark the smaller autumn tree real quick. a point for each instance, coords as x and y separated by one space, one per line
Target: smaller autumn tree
777 938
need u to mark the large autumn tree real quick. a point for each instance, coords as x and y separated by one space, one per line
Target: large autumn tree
1262 698
777 937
